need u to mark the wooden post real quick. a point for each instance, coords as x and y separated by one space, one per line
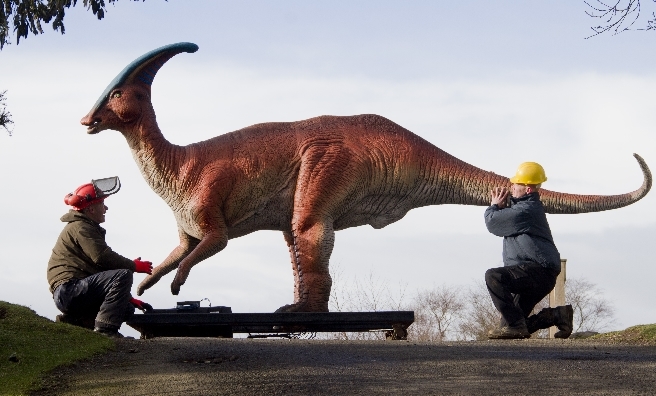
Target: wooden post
557 295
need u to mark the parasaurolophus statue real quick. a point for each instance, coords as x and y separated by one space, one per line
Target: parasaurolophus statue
307 179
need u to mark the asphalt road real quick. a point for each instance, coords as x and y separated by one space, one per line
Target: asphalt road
204 366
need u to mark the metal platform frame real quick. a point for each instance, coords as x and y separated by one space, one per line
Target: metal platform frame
214 323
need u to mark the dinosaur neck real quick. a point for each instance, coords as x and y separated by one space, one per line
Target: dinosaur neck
157 158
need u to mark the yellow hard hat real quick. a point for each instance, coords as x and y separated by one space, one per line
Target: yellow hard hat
529 173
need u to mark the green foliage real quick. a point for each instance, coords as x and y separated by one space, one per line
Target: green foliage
5 116
28 15
30 345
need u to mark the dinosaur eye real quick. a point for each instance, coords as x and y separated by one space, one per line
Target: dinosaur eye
116 95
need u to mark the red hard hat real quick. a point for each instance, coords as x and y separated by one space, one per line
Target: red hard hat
82 197
91 193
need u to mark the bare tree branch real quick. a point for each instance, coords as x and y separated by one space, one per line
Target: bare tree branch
356 295
591 311
617 16
481 315
437 311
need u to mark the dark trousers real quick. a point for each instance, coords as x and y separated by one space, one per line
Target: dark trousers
516 289
105 295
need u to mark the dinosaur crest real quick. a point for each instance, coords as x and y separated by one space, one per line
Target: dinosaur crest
144 68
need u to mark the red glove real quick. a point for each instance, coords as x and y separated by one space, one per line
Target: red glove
144 306
144 267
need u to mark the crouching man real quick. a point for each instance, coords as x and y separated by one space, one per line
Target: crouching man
90 282
531 260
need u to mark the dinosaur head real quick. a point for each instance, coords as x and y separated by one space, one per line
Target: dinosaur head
123 102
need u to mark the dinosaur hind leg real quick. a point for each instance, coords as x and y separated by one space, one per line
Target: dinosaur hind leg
324 187
291 245
310 249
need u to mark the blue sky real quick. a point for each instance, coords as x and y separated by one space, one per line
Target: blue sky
493 83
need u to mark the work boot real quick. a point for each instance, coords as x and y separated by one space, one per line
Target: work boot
87 323
564 320
542 320
509 332
109 331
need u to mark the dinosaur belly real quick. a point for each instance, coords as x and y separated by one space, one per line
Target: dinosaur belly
376 211
273 214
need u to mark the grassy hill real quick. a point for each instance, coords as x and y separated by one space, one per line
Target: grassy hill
30 345
641 334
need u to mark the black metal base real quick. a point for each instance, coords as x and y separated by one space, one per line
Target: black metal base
221 322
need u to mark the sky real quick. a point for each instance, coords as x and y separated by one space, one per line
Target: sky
492 83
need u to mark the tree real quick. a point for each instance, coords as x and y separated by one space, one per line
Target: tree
354 295
592 312
617 16
29 15
437 311
480 316
5 116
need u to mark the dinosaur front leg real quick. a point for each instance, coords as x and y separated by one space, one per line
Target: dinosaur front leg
187 244
212 243
310 250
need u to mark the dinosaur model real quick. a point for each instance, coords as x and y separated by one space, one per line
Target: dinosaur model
307 179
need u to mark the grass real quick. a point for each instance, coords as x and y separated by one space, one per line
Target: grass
641 334
39 345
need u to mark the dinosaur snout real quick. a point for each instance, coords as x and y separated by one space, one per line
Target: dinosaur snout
92 123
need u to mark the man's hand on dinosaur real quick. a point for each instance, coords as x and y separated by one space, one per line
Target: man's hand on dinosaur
499 196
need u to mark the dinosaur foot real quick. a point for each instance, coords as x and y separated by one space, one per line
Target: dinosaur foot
304 307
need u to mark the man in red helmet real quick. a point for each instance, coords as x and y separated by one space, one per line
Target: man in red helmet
90 282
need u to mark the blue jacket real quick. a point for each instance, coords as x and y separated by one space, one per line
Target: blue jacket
525 231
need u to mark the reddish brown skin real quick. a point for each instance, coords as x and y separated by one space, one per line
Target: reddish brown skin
307 179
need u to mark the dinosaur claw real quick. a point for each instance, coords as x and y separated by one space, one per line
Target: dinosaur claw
284 308
141 289
146 284
175 287
177 282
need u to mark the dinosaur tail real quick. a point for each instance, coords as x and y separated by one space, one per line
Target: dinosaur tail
471 186
556 202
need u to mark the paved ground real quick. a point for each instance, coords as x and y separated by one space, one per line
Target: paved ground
204 366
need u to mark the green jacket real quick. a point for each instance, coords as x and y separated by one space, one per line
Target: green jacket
81 251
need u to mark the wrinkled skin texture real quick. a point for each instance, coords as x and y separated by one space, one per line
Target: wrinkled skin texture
307 179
